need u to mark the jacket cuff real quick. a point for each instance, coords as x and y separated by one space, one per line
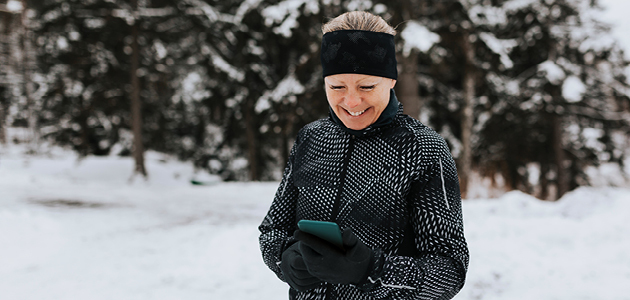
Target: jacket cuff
288 242
374 272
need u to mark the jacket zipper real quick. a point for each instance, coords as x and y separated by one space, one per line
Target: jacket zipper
337 203
342 180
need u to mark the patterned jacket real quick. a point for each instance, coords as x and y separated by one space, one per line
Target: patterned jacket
397 188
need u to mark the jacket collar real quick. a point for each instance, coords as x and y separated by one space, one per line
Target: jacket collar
384 120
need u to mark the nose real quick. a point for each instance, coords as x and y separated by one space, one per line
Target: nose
352 99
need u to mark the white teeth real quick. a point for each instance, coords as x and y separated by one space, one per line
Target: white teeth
356 114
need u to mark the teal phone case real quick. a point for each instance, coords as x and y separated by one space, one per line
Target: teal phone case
326 230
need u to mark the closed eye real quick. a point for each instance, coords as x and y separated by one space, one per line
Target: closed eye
336 87
368 87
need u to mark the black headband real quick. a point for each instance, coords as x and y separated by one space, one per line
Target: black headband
359 52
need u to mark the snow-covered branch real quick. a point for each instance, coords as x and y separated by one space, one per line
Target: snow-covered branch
286 13
289 86
500 47
417 36
599 114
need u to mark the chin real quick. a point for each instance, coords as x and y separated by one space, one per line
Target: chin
355 126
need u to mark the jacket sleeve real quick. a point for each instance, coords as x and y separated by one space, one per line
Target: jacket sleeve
276 230
439 269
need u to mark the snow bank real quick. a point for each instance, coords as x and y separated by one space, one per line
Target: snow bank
81 230
523 248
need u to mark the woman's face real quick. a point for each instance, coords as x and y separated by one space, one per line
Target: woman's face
358 100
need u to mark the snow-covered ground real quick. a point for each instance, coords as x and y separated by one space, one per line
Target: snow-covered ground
83 230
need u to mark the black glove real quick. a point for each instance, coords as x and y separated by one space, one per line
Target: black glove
294 270
330 263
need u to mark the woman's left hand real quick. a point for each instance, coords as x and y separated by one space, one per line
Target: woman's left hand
330 263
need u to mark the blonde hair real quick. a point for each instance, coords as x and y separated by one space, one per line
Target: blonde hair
358 20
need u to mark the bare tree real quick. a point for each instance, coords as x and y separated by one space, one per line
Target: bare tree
136 105
28 67
407 85
5 25
467 117
253 145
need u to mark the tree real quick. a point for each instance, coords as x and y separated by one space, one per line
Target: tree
7 22
513 86
446 74
276 49
136 104
566 83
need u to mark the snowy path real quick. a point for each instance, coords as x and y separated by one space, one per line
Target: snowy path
73 230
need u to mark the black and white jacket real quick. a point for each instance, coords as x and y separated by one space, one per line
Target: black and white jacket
396 186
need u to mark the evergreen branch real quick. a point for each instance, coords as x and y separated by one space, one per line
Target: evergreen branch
598 114
202 8
5 9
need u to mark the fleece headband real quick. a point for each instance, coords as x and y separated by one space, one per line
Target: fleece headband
359 52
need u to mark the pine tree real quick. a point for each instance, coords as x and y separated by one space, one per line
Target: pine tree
448 61
276 51
561 103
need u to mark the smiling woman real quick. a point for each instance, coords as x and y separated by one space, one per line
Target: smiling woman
356 99
387 180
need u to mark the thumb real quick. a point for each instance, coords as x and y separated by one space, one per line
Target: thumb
349 238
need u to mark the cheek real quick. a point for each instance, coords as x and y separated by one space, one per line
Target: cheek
332 100
382 101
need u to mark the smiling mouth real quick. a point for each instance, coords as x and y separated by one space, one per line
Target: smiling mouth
356 114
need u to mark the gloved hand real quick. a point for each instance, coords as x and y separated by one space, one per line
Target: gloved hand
294 270
330 263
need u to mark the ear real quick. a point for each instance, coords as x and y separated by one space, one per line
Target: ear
393 83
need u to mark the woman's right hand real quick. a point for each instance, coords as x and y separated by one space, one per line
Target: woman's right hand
294 270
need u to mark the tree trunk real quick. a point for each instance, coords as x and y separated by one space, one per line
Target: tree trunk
543 181
253 150
136 105
468 84
407 84
28 67
5 20
3 130
562 181
287 132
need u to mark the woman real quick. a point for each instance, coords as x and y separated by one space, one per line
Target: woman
387 180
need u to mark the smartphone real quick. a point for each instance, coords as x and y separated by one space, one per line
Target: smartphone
328 231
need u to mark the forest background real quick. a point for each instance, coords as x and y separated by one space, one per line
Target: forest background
530 94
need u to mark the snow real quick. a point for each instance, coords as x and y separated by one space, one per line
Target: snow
62 43
416 36
488 15
87 229
501 47
286 13
363 5
616 13
192 89
553 72
222 65
591 138
286 88
573 88
14 6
